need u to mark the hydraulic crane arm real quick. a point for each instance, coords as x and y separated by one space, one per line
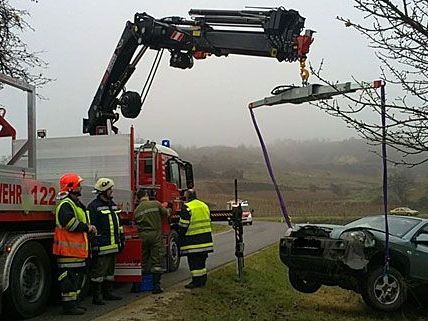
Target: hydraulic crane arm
272 33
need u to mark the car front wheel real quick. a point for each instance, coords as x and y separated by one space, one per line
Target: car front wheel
301 284
385 292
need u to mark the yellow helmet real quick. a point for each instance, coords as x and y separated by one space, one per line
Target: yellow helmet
103 184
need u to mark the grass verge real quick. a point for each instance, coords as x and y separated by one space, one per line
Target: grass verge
218 228
265 294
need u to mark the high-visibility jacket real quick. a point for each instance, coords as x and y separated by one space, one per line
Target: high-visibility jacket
195 221
69 243
105 216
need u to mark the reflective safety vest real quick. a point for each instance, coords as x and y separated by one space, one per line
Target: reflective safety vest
70 244
105 216
198 238
111 241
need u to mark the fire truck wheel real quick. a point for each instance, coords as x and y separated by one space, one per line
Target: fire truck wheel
173 252
30 281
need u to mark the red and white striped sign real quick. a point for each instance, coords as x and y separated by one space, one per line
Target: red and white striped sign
177 36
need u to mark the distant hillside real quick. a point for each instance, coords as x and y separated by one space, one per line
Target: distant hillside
352 156
319 179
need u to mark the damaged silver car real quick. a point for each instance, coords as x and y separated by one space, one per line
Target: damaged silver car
352 256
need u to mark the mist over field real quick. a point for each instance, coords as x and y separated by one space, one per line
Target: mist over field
321 180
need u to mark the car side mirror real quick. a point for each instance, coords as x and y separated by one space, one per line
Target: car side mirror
422 238
252 211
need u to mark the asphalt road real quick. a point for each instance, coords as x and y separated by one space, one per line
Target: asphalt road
256 237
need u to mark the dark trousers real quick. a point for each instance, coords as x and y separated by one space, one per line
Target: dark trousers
197 266
70 283
102 268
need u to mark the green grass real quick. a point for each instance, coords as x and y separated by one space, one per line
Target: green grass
265 294
218 228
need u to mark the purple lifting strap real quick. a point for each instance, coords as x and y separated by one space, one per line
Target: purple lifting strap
270 170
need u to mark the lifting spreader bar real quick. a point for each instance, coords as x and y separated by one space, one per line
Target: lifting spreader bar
298 95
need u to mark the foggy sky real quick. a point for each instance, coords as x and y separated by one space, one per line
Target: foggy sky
206 105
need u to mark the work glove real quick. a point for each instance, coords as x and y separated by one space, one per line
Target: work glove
122 242
94 244
94 250
92 229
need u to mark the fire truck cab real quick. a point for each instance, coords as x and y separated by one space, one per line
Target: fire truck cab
160 168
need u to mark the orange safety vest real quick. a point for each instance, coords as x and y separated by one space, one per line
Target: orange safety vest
70 244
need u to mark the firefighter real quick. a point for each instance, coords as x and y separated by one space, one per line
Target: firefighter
71 242
195 237
148 217
104 214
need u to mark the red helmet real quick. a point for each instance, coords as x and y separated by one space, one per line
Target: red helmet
69 182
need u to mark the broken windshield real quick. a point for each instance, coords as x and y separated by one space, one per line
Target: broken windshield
398 225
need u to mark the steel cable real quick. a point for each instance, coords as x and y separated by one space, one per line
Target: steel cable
151 76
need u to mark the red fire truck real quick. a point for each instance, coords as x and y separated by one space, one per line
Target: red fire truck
28 183
28 187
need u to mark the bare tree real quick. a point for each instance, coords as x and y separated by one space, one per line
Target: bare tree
15 58
398 32
400 183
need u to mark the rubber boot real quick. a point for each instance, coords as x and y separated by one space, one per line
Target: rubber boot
135 287
196 283
107 292
71 308
191 285
80 305
156 283
97 294
204 279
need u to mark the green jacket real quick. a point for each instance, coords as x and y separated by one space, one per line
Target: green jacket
148 216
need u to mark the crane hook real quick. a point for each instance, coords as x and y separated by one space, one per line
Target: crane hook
304 73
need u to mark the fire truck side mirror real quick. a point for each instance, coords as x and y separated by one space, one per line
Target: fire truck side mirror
42 133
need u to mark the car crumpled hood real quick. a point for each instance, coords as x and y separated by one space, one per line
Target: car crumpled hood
354 251
312 230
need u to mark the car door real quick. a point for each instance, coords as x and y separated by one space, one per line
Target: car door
418 254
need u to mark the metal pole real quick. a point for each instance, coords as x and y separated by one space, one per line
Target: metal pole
385 173
239 234
236 191
30 145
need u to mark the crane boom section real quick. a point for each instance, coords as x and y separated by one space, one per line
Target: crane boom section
274 33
